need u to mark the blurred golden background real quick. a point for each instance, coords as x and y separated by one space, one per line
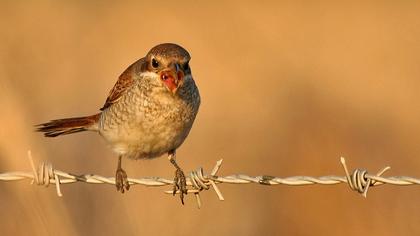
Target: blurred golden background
287 88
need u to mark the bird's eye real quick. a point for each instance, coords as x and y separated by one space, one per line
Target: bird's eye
186 66
155 64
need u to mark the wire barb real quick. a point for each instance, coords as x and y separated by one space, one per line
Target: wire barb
44 175
197 181
360 181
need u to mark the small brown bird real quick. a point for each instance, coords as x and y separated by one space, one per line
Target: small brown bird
149 111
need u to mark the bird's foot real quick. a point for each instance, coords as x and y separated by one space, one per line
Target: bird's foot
121 181
180 183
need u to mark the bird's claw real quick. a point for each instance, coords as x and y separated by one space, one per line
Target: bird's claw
121 181
180 183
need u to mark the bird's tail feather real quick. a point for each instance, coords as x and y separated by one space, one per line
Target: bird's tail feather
69 125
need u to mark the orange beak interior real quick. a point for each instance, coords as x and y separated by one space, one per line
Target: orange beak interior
172 79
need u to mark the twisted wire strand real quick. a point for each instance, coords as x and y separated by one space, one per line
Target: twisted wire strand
359 180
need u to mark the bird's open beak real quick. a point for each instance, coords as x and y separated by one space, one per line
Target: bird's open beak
173 77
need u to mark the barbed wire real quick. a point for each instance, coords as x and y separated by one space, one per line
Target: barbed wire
359 180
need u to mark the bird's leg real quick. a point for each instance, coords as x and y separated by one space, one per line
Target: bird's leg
180 183
121 181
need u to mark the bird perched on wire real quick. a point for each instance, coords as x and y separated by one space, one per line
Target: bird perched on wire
148 112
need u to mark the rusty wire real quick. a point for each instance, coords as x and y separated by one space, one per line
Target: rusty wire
359 180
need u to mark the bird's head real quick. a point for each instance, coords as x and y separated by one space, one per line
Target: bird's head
170 65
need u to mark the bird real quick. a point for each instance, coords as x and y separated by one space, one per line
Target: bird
148 113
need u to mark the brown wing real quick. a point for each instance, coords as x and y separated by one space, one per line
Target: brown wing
124 81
